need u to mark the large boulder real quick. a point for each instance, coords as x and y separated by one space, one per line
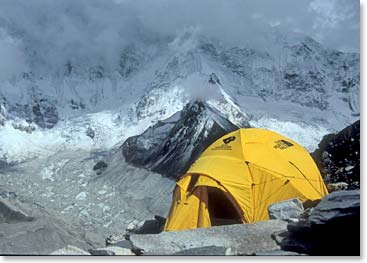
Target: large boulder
286 209
242 239
338 157
172 145
331 228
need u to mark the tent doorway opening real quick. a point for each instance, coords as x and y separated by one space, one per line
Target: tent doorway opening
221 210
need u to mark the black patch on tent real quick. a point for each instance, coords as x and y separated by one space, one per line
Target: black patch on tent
282 144
229 139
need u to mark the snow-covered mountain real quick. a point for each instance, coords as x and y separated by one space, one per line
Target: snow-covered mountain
294 86
172 145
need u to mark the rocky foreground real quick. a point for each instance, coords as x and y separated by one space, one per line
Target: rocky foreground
293 230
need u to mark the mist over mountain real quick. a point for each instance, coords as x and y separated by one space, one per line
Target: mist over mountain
49 37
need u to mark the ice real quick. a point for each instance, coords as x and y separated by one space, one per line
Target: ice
306 135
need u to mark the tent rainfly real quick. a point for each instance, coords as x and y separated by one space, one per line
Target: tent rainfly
239 176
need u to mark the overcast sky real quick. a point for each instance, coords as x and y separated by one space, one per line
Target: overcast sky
334 23
56 31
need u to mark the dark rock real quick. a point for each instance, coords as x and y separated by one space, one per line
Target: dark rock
213 79
90 132
77 105
150 227
111 251
45 113
285 210
2 115
121 243
42 112
101 252
172 145
99 167
337 206
338 156
332 227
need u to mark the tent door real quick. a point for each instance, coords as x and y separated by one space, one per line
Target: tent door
221 210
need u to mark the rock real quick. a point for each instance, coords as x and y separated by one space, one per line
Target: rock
243 239
70 251
90 132
332 227
337 206
101 252
111 251
203 251
286 210
332 187
277 252
120 251
132 226
11 214
171 146
3 114
338 156
113 239
154 226
24 126
213 79
121 243
100 166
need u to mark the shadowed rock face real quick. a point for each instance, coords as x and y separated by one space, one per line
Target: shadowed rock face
332 227
172 145
338 156
41 112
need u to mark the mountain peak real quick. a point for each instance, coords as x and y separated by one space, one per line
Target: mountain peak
170 146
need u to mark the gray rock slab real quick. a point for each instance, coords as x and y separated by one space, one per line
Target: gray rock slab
336 205
243 239
101 252
286 209
122 243
70 251
203 251
120 251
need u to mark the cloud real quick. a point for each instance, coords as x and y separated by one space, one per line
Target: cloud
12 60
336 23
93 32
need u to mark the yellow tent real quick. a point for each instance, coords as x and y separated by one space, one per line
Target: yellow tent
239 176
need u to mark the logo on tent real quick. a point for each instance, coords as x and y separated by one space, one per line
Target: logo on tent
225 146
229 139
282 144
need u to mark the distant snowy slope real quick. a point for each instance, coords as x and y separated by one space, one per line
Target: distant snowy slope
294 86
